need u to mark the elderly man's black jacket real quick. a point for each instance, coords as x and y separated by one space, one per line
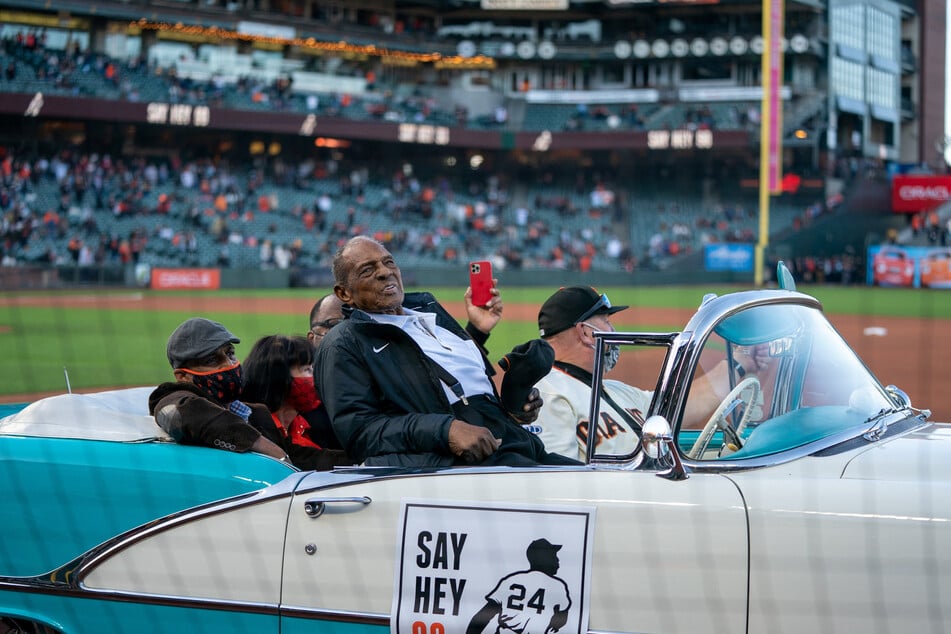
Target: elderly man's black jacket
386 401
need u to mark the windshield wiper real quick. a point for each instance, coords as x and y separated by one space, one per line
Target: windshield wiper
879 424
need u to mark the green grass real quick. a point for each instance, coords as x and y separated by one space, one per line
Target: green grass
101 348
104 348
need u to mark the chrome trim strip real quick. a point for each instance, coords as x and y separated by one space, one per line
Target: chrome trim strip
70 575
314 614
35 585
364 618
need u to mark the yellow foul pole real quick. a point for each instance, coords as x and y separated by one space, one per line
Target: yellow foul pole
771 123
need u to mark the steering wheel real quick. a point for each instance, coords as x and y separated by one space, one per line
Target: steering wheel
747 392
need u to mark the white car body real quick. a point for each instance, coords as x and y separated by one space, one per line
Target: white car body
844 528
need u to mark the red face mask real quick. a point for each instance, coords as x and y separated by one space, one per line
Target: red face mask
303 395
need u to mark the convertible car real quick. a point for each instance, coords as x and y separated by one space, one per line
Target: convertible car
811 499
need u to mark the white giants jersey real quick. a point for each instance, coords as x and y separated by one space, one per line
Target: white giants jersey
564 416
529 600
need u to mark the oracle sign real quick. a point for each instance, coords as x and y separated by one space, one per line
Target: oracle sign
167 279
911 194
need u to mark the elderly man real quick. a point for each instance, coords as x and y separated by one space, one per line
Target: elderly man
406 385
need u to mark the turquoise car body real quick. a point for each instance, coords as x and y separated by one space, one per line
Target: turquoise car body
95 490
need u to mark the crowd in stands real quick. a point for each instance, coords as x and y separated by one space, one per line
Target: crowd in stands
89 209
841 268
30 66
925 228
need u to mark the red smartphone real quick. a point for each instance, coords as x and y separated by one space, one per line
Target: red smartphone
480 280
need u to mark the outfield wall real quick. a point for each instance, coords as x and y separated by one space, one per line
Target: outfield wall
67 277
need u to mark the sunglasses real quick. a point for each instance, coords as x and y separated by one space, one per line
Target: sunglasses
602 303
327 324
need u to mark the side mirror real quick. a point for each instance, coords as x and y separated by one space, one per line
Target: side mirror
656 438
658 444
901 399
899 396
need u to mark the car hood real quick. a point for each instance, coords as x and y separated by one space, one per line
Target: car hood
921 455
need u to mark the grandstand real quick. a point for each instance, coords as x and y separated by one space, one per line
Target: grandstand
607 138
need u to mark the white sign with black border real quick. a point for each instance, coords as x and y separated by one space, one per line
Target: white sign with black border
492 567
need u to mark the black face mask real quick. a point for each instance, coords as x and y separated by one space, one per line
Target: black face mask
612 352
222 385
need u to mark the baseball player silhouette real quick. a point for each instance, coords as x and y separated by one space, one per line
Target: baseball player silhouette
532 601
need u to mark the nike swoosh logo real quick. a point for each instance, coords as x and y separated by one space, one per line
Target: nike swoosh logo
375 349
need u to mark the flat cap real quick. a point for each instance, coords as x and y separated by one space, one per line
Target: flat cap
196 338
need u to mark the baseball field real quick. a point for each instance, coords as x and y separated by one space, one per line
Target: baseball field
100 339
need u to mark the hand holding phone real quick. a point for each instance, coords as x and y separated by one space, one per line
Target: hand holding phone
480 281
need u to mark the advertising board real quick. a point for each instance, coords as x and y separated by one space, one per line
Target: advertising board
911 194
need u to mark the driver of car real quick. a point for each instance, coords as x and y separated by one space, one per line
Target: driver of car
566 321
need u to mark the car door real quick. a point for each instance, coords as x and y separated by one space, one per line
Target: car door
641 553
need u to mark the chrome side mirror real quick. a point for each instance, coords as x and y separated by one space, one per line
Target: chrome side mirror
656 438
901 399
658 444
899 396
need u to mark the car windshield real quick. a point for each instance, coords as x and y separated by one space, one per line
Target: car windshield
772 378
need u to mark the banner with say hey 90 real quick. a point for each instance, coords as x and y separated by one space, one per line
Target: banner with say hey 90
492 567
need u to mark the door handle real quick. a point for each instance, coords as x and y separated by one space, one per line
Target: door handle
315 507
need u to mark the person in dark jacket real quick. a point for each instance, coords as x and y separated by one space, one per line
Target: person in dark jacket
327 312
202 406
403 382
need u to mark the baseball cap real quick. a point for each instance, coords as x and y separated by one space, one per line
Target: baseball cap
196 338
571 305
543 544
